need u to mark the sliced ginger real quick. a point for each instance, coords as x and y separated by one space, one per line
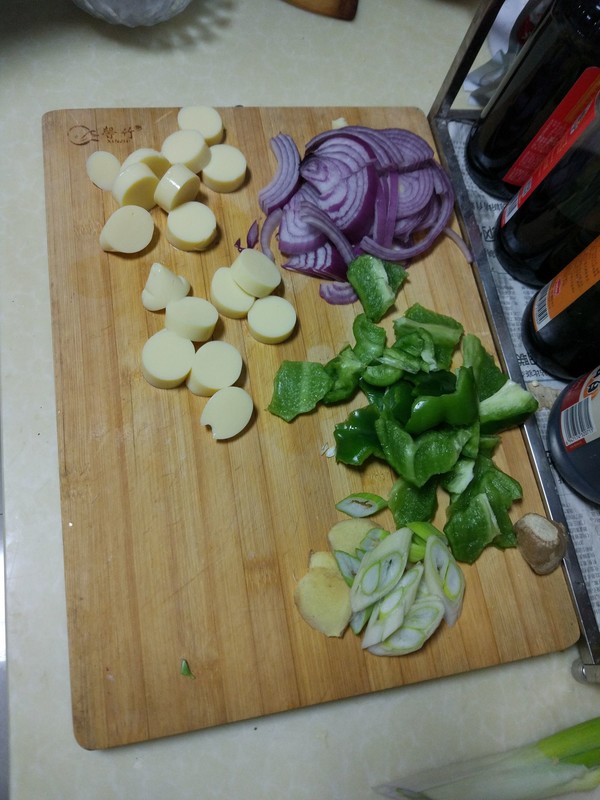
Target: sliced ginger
323 597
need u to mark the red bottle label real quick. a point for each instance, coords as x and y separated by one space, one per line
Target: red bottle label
568 140
580 411
556 126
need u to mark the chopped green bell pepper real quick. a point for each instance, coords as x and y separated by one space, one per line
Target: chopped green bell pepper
370 339
510 406
417 459
356 438
478 516
298 387
410 503
376 282
457 408
445 331
345 370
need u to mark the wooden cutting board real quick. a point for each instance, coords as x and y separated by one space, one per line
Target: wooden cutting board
179 547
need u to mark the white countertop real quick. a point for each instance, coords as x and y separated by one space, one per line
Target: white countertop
222 53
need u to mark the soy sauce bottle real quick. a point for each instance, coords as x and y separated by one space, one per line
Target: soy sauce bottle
574 435
561 324
550 65
556 214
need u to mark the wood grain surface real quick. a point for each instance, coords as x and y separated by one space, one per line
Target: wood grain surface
179 547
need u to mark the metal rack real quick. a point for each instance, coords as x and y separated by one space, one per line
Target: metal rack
443 112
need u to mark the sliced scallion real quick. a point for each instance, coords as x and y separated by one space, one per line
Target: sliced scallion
380 569
567 761
444 577
389 613
420 622
361 504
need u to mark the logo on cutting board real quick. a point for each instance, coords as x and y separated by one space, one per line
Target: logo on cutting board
81 134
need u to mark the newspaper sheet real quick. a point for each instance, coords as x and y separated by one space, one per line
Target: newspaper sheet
583 518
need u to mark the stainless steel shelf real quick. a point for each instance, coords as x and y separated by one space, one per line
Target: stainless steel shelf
441 118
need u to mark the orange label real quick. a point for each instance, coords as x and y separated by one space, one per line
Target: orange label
568 286
556 126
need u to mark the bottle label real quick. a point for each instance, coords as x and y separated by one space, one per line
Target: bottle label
556 126
587 116
568 286
580 411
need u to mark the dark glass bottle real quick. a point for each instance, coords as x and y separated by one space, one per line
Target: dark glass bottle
561 326
556 214
574 435
564 44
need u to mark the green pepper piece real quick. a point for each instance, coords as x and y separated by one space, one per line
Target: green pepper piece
356 438
420 458
478 516
397 401
445 331
471 529
381 374
376 282
458 408
488 375
510 406
459 477
414 351
410 503
374 394
488 443
369 339
298 387
344 370
438 382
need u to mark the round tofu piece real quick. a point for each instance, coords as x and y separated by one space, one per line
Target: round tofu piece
177 186
271 319
162 286
226 170
227 412
192 318
135 186
187 147
215 366
255 273
227 296
167 359
102 168
204 119
129 229
152 158
191 226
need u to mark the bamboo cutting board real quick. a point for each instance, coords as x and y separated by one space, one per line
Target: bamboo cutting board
179 547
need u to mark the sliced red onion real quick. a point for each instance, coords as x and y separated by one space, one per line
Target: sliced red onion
338 294
287 176
324 262
316 218
296 234
252 235
414 191
460 243
267 232
400 252
357 190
